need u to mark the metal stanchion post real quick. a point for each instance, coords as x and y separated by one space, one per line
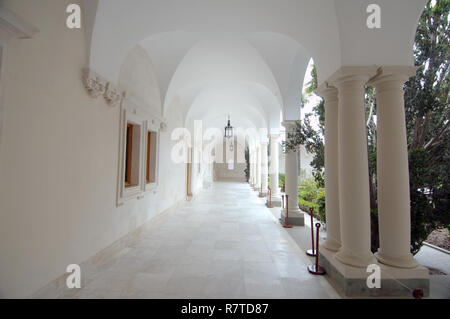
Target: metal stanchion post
316 269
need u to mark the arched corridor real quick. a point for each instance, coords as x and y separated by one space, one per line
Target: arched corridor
144 145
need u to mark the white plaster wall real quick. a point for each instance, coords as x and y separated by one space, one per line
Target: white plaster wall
224 174
138 78
58 159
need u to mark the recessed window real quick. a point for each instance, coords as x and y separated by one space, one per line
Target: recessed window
150 174
138 152
132 155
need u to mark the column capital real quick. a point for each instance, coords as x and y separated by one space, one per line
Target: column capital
328 92
349 74
290 124
394 75
274 136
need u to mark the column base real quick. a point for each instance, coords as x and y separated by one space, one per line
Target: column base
352 282
263 194
358 261
276 201
296 217
331 244
406 261
276 193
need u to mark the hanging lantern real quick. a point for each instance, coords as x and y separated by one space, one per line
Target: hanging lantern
229 129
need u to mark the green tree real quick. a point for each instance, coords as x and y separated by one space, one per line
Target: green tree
306 135
247 164
427 117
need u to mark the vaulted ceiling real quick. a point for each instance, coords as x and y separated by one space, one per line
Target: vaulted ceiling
246 58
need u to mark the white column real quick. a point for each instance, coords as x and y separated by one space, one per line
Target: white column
354 199
250 175
257 186
274 165
264 168
295 215
392 168
255 159
330 96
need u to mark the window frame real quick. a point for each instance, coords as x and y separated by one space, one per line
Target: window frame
148 159
153 144
129 154
138 114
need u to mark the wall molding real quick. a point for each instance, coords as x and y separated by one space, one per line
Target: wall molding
112 95
96 86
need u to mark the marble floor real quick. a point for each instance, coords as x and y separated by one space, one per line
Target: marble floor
223 244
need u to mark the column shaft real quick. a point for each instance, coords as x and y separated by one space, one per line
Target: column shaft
255 160
250 160
258 169
330 95
296 217
274 165
354 199
264 169
392 169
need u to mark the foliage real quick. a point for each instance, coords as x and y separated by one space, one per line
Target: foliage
371 127
321 205
374 234
428 126
281 179
308 190
306 135
306 205
247 164
311 195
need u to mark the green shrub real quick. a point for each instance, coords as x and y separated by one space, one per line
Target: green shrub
310 195
305 205
309 190
282 178
321 205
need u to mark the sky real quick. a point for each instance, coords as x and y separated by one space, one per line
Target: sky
313 100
